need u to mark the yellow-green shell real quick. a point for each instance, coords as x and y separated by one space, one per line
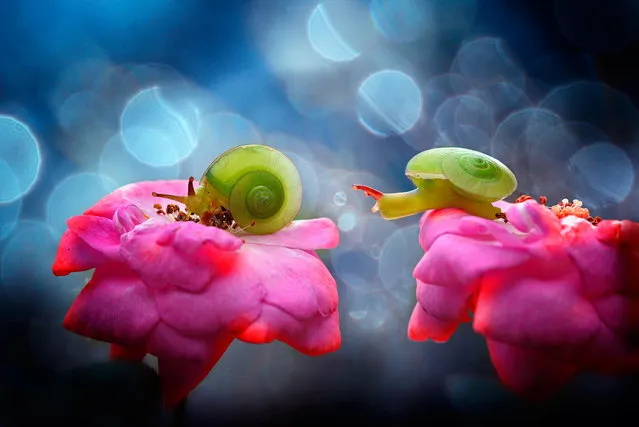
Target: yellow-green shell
472 174
257 184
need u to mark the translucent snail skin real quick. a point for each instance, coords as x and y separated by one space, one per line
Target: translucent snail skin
448 177
259 185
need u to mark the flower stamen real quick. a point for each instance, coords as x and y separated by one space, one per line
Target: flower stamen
218 217
565 208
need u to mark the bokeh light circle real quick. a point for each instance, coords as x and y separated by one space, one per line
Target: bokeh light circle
339 30
9 215
601 174
399 256
156 131
402 20
20 159
389 103
74 195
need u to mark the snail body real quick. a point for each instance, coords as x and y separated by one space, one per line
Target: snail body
448 177
259 185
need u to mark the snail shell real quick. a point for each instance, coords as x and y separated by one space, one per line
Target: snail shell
472 174
259 185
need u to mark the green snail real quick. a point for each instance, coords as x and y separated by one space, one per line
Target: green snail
259 185
448 177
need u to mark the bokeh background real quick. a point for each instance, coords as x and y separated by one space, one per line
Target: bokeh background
95 94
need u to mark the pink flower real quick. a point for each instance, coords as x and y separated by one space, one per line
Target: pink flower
183 291
553 293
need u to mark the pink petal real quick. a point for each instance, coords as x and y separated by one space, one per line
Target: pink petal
75 255
438 312
597 261
182 254
529 372
300 301
536 220
535 306
436 223
113 307
139 193
230 303
295 282
459 262
320 233
285 293
169 343
126 218
315 336
180 376
97 232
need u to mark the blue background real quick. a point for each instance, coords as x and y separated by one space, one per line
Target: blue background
95 94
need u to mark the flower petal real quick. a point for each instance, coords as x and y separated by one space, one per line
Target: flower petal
75 255
300 304
536 220
230 303
319 233
113 307
139 193
182 254
315 336
529 372
436 223
97 232
535 306
126 218
438 312
169 343
459 262
180 376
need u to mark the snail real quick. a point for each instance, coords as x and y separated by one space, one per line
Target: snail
258 185
448 177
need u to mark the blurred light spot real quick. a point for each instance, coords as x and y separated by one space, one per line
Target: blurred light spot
20 159
601 174
339 199
465 121
504 98
74 195
601 26
596 104
26 266
310 185
401 20
549 147
484 61
347 221
354 267
222 131
337 29
119 166
515 135
398 259
377 230
442 87
9 214
476 394
369 310
77 109
155 132
358 314
389 103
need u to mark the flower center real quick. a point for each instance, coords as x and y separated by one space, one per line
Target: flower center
219 217
565 208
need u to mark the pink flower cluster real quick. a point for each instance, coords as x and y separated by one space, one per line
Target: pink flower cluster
552 294
183 291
